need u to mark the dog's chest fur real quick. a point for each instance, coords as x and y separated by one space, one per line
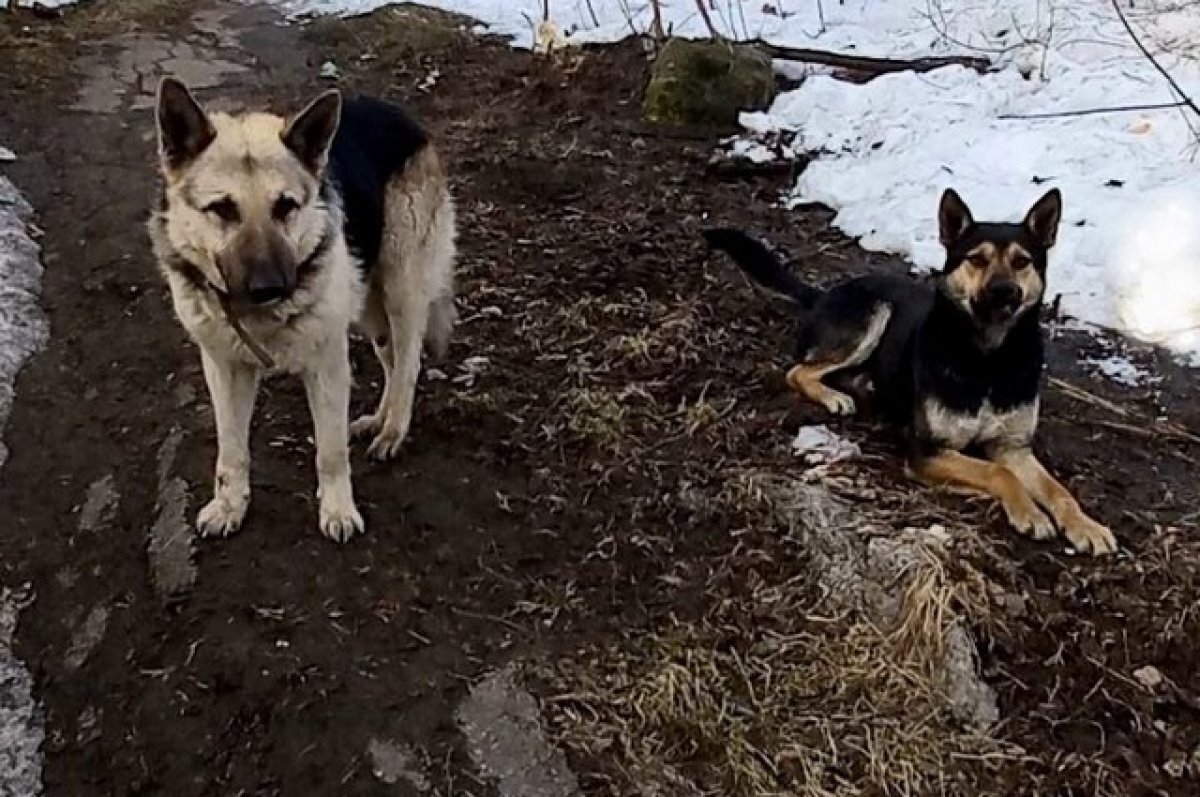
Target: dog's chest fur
970 396
987 426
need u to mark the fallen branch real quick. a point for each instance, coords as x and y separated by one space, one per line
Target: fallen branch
878 66
1154 106
1161 428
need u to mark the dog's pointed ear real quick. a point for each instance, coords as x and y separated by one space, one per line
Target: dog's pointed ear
184 130
310 133
1043 218
954 217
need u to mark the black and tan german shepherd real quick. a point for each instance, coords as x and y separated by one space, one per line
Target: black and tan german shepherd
956 361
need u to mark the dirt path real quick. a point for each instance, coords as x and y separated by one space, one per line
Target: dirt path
567 493
224 669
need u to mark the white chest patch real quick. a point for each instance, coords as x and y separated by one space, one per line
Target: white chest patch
956 430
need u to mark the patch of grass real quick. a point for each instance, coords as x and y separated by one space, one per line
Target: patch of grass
599 416
765 697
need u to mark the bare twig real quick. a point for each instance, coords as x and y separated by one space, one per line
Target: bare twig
708 22
1179 92
656 27
592 11
1153 61
1154 106
545 10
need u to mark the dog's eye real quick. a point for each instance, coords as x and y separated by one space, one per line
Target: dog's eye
1021 261
284 206
224 209
978 261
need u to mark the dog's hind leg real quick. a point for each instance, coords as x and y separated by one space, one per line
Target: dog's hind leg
442 317
416 278
374 324
806 378
233 386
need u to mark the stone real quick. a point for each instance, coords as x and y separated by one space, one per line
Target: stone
707 83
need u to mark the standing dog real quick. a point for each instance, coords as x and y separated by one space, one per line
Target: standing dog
957 362
274 236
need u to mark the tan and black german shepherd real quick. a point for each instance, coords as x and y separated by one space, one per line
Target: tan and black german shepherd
956 362
275 235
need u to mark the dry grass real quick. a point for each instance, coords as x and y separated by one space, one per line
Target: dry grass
765 697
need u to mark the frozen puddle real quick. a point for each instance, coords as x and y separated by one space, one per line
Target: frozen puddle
23 331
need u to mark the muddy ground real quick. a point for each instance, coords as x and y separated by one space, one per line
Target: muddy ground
559 503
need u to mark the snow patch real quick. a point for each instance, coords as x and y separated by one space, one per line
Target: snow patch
597 21
22 728
23 327
1121 370
1128 254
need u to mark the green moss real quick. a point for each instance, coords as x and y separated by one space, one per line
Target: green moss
707 83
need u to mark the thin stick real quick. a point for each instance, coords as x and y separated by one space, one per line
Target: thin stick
656 27
1154 106
708 23
1154 62
1164 428
592 10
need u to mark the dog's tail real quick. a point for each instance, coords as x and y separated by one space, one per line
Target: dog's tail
762 265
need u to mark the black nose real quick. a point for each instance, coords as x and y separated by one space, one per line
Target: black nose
1003 293
267 295
266 285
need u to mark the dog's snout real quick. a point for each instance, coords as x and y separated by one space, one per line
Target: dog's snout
268 283
1003 292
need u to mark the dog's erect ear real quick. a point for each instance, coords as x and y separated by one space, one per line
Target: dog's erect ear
1043 218
954 217
311 132
184 130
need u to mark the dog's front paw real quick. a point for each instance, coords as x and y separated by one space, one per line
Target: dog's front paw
221 517
1027 519
340 519
1088 536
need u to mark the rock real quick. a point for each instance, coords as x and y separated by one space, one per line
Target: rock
707 83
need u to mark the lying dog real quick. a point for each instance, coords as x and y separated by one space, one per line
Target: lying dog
274 236
956 362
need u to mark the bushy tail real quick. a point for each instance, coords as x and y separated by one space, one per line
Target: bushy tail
762 265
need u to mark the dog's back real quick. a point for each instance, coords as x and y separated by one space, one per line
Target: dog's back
376 141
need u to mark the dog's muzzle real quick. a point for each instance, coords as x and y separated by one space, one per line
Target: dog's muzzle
998 302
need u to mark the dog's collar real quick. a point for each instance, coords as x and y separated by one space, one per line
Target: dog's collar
195 275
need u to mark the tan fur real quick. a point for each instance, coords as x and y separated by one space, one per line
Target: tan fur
411 295
248 162
988 263
959 471
1083 532
1000 430
806 377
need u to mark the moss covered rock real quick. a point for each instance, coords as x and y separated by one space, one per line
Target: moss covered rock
707 82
